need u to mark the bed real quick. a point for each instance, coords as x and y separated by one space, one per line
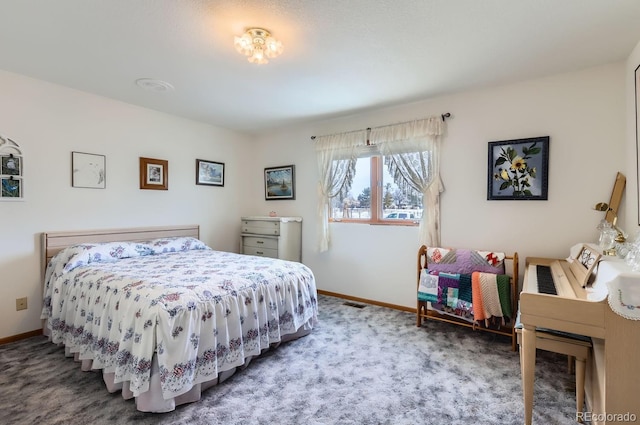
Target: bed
162 315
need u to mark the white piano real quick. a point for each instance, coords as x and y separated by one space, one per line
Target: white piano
612 381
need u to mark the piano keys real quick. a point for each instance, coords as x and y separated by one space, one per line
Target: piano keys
612 381
545 280
555 280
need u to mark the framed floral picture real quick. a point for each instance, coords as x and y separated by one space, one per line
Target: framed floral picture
154 174
279 182
518 169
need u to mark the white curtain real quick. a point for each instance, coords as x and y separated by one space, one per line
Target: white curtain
412 155
337 156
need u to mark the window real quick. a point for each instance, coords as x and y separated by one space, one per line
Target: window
412 150
374 197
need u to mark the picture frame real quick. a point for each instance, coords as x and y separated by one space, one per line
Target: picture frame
583 264
10 165
154 174
11 188
88 170
209 173
518 169
11 170
279 183
637 105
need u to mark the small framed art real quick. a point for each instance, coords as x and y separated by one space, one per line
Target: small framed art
88 170
154 174
11 171
518 169
11 188
279 183
582 266
209 173
11 165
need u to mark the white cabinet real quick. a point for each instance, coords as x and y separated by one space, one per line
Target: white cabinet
275 237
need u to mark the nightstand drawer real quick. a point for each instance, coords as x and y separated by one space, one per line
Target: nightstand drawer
262 252
258 242
258 227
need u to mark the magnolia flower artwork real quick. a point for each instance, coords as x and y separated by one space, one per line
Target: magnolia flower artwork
518 169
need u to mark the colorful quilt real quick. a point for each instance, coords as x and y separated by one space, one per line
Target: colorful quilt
465 261
474 297
200 311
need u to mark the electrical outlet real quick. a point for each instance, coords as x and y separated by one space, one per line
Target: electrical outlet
21 304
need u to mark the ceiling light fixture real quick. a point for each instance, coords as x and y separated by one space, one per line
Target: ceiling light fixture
258 45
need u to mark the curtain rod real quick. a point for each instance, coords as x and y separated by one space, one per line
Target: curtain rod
443 116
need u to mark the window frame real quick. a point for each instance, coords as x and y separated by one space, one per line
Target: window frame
377 194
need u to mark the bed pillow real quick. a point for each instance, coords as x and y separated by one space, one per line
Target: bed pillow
107 252
175 244
465 261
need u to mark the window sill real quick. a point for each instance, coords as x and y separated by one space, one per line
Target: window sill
406 223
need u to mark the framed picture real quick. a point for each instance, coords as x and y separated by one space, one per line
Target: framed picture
279 183
637 102
11 165
154 174
518 169
11 187
582 266
88 170
209 173
11 170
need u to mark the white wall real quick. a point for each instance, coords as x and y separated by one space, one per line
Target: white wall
49 122
584 115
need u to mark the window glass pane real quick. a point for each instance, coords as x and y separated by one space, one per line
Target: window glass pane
355 204
399 202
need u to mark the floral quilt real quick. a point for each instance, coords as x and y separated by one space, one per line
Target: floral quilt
200 311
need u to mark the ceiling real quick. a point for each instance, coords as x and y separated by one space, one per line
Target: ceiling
340 57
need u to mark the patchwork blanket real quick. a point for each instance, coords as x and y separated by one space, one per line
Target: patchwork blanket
465 261
475 297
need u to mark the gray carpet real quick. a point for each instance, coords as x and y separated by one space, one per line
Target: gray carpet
358 366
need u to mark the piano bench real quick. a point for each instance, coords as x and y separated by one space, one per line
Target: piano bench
572 345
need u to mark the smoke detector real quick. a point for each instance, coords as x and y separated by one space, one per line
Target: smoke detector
152 84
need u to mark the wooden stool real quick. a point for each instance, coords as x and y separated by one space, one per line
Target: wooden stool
574 346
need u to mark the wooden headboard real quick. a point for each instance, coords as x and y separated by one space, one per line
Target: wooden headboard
53 242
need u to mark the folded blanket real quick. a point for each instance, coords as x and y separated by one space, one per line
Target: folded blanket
428 287
446 281
464 290
504 293
494 292
464 261
490 297
478 307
